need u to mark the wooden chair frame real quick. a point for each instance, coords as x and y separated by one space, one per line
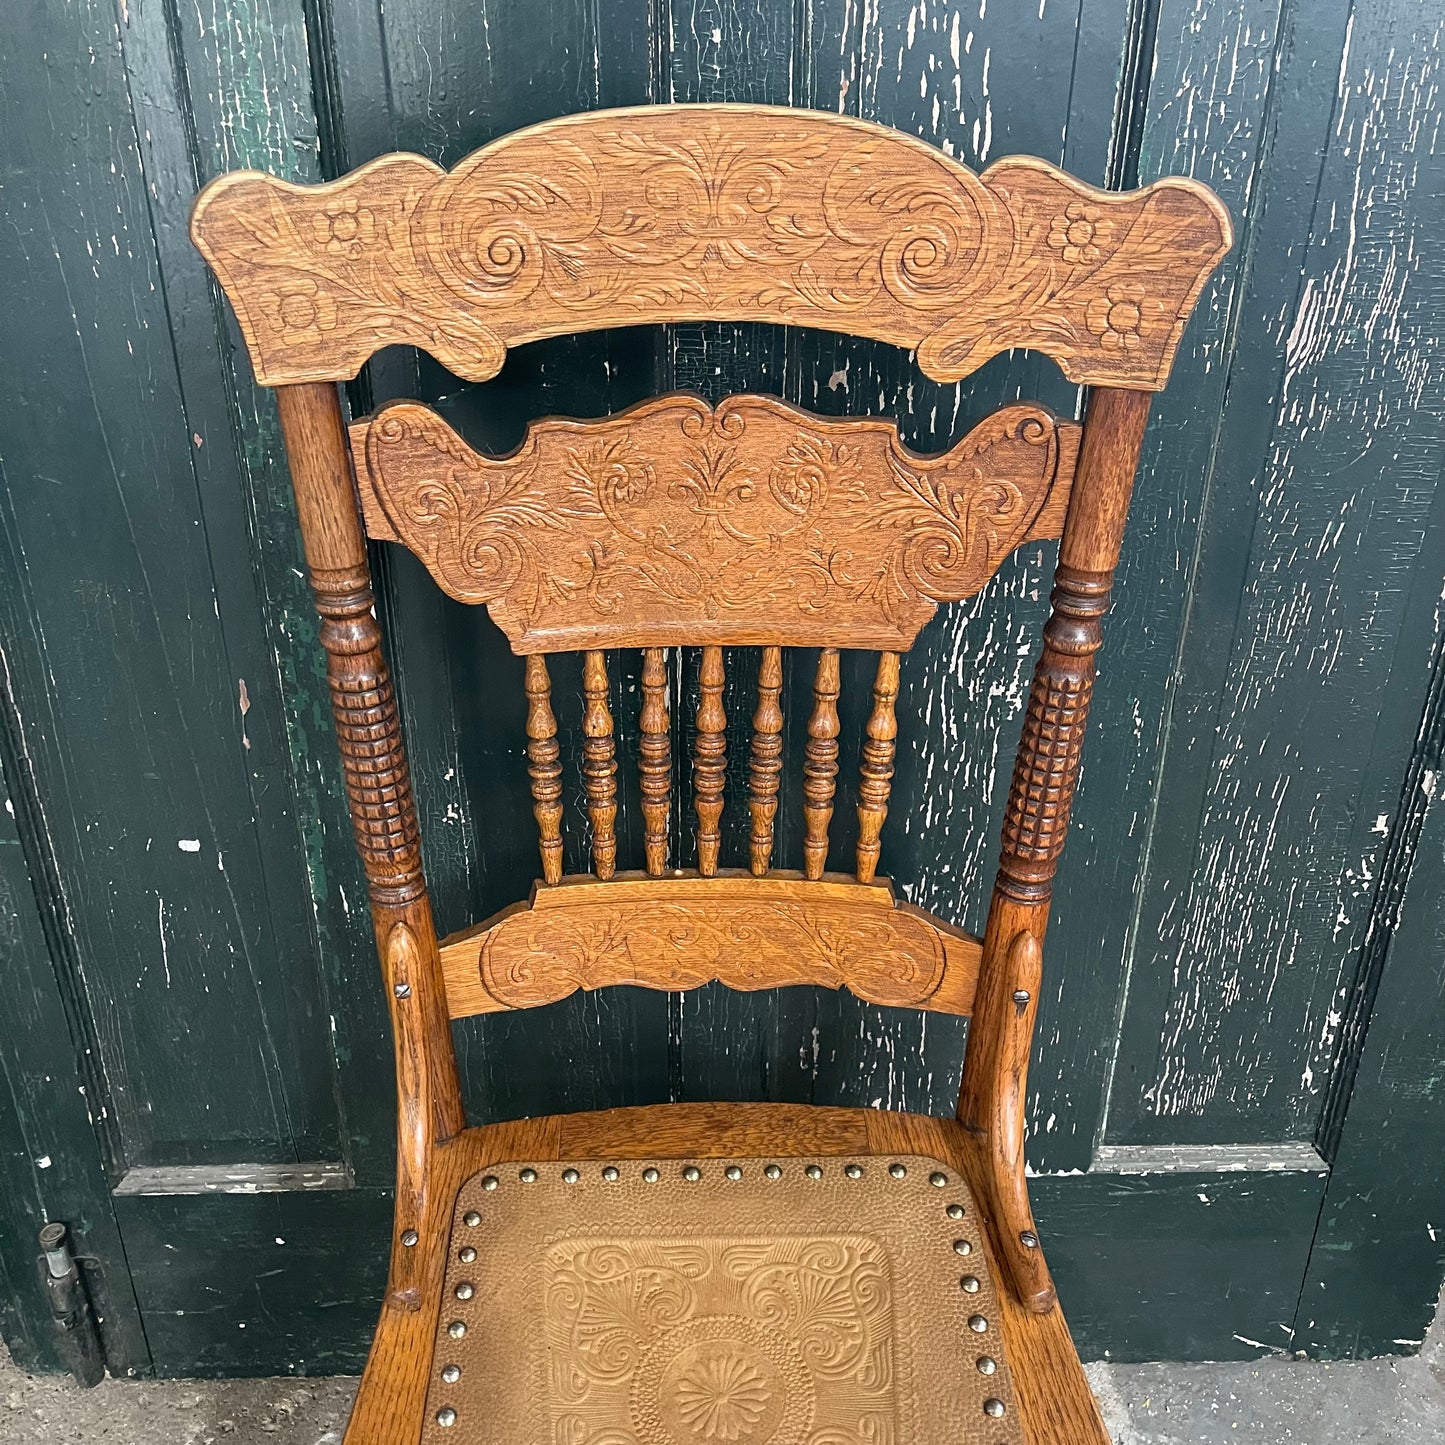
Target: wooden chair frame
675 213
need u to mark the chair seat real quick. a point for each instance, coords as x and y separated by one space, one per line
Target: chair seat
747 1299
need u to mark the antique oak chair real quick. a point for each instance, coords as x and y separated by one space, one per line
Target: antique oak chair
730 1272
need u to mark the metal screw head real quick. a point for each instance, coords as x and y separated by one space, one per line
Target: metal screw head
978 1324
471 1219
1021 996
401 990
814 1171
954 1211
962 1246
570 1176
464 1290
1028 1239
456 1329
853 1171
898 1171
773 1171
467 1255
610 1174
490 1182
939 1181
408 1238
692 1173
446 1416
969 1284
986 1365
650 1175
733 1172
994 1408
451 1373
527 1176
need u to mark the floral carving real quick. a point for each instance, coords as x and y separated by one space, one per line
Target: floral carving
737 213
1081 232
1117 317
678 522
722 1398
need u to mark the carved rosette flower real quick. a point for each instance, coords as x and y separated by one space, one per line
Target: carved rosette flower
345 228
1081 232
721 1398
298 307
1117 317
802 479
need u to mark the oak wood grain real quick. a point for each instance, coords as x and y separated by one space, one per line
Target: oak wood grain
765 765
687 929
677 522
693 213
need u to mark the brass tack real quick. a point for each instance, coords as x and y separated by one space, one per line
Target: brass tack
467 1255
610 1174
471 1219
456 1329
994 1408
898 1171
853 1171
986 1365
409 1238
977 1324
814 1171
527 1176
490 1182
962 1246
650 1175
446 1416
939 1181
969 1284
451 1374
464 1290
954 1211
733 1172
773 1171
692 1173
570 1176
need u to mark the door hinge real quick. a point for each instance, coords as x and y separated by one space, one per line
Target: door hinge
75 1325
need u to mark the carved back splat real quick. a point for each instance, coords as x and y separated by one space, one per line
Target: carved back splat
677 523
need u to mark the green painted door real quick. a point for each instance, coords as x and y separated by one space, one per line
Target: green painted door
1241 1037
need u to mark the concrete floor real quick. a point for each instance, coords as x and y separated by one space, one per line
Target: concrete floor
1268 1402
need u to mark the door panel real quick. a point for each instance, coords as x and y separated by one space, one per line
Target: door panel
1215 953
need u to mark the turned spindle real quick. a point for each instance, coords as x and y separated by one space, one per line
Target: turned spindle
544 767
876 768
599 765
820 764
655 764
709 766
766 762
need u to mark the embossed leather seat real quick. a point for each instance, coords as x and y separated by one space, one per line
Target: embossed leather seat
744 1273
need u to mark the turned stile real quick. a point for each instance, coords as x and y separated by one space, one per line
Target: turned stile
544 767
876 768
599 765
710 761
820 764
1036 819
378 795
655 761
765 766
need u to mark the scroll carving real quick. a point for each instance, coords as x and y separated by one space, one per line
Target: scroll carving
679 523
682 932
742 213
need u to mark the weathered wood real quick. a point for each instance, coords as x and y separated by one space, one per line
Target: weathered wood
686 930
820 766
678 523
765 766
599 765
877 765
655 762
544 767
650 213
709 768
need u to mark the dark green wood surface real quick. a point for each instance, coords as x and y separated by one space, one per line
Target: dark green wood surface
1247 945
